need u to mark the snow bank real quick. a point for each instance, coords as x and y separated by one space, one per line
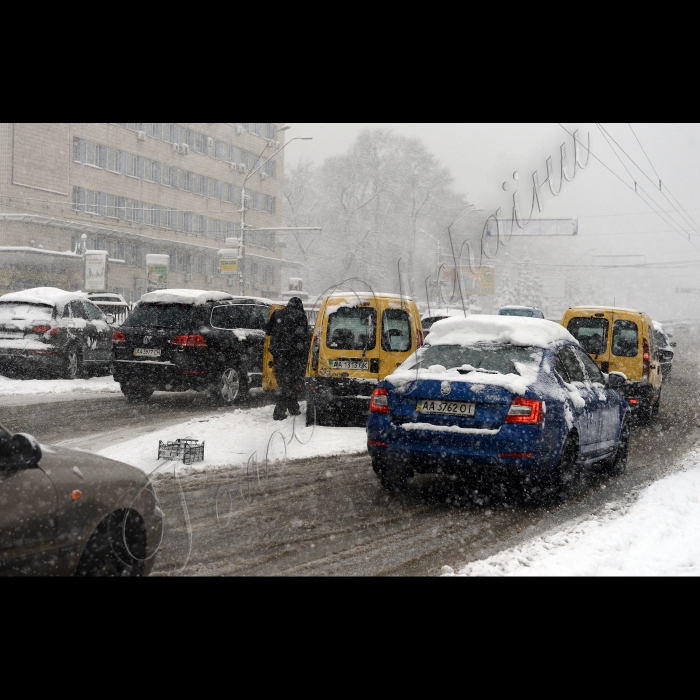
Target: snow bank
15 387
513 330
657 535
231 438
184 296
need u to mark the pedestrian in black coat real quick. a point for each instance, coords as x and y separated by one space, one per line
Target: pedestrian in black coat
288 329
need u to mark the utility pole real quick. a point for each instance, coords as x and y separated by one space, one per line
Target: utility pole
241 266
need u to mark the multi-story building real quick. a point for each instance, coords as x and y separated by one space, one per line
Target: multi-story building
134 189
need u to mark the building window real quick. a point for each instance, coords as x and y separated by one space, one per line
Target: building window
131 165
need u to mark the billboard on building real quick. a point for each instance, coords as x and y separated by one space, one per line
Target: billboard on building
536 227
478 282
95 270
157 272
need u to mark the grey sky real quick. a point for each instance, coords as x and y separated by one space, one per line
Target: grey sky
482 156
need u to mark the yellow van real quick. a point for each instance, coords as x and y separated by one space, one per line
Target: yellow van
621 340
358 339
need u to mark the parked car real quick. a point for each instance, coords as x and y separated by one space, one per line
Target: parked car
622 340
510 399
71 512
180 339
113 304
428 319
358 340
526 311
666 350
49 331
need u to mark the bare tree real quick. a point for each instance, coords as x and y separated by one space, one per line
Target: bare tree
372 202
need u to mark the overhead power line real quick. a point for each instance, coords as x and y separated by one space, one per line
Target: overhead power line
689 220
657 174
625 183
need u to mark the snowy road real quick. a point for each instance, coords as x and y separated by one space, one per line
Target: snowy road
329 516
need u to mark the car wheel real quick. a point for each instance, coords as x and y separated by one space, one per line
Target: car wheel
567 469
392 476
230 386
72 364
116 548
135 393
617 465
655 408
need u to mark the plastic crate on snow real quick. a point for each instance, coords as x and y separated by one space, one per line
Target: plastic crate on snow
186 449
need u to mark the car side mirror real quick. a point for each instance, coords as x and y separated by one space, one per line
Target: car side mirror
110 319
24 450
616 380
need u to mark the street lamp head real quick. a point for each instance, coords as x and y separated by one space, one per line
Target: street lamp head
283 128
305 138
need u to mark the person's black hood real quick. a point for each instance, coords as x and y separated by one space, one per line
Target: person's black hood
295 303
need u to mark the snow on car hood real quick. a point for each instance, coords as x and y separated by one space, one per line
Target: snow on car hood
196 297
512 330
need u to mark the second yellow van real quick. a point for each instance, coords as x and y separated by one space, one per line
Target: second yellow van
358 339
621 340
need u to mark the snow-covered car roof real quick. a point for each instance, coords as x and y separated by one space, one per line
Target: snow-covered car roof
444 312
515 306
606 308
43 295
369 295
514 330
260 300
196 297
106 296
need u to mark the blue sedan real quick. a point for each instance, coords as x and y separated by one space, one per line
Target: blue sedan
508 398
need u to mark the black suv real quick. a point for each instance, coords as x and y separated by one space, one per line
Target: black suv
176 340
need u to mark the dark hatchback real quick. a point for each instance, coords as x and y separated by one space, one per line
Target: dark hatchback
70 512
177 340
50 331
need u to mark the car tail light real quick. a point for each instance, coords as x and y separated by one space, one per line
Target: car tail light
189 341
379 402
377 443
42 330
528 411
646 359
118 337
420 338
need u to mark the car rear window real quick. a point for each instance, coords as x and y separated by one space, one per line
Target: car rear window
352 328
591 333
248 316
625 340
491 358
396 331
177 316
19 311
517 312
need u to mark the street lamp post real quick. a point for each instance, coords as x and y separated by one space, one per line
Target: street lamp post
241 277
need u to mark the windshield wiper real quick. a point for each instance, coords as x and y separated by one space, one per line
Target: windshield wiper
464 370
